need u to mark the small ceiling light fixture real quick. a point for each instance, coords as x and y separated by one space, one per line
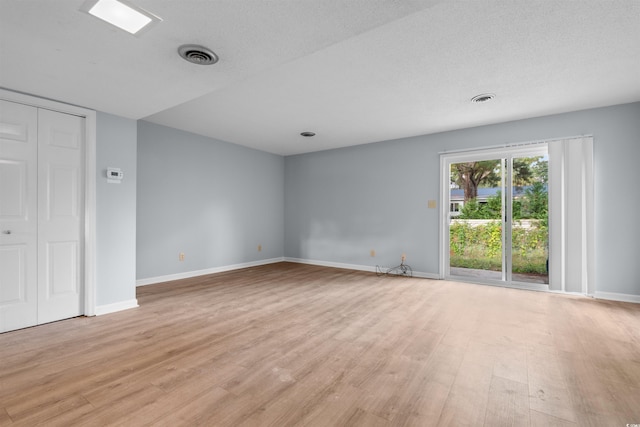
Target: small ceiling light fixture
308 134
483 97
197 54
121 14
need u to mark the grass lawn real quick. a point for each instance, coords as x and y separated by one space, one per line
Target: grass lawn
535 261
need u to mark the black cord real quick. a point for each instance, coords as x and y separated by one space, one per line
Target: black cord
399 270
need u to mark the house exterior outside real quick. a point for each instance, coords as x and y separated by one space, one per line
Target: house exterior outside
456 197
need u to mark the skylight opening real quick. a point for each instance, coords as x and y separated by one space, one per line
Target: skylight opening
121 14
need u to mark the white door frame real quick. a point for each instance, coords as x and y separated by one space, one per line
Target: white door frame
89 185
491 153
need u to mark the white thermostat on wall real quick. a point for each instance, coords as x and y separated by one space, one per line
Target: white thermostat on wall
114 175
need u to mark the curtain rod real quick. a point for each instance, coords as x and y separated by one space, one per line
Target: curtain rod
516 144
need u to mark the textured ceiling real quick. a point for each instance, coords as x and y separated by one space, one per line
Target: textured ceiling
353 71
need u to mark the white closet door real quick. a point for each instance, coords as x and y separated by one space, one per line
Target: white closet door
18 216
60 215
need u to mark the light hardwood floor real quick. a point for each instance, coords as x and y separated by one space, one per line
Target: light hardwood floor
288 344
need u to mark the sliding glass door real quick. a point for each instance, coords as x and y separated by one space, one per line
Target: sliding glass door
496 226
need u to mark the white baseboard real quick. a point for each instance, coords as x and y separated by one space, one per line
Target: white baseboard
116 306
188 274
618 297
358 267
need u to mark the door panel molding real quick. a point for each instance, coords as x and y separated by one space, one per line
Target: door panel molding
13 206
13 264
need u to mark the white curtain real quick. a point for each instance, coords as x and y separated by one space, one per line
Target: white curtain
571 216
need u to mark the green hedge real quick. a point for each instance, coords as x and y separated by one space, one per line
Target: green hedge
480 246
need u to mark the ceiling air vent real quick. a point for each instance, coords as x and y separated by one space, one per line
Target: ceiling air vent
484 97
197 54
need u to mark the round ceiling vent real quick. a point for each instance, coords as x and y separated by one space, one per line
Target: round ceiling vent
308 134
197 54
483 97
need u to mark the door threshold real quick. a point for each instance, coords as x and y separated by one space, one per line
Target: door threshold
512 284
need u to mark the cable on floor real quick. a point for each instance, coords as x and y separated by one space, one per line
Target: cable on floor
399 270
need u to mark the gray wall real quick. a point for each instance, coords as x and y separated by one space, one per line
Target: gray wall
116 140
213 201
340 204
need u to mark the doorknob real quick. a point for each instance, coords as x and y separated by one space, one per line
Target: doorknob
6 232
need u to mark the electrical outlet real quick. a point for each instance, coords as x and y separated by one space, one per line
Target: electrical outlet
403 257
259 248
431 204
181 256
372 252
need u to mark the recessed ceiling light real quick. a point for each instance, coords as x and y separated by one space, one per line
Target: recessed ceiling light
121 14
483 97
197 54
308 134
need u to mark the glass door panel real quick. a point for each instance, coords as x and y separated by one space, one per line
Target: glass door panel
530 219
475 219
